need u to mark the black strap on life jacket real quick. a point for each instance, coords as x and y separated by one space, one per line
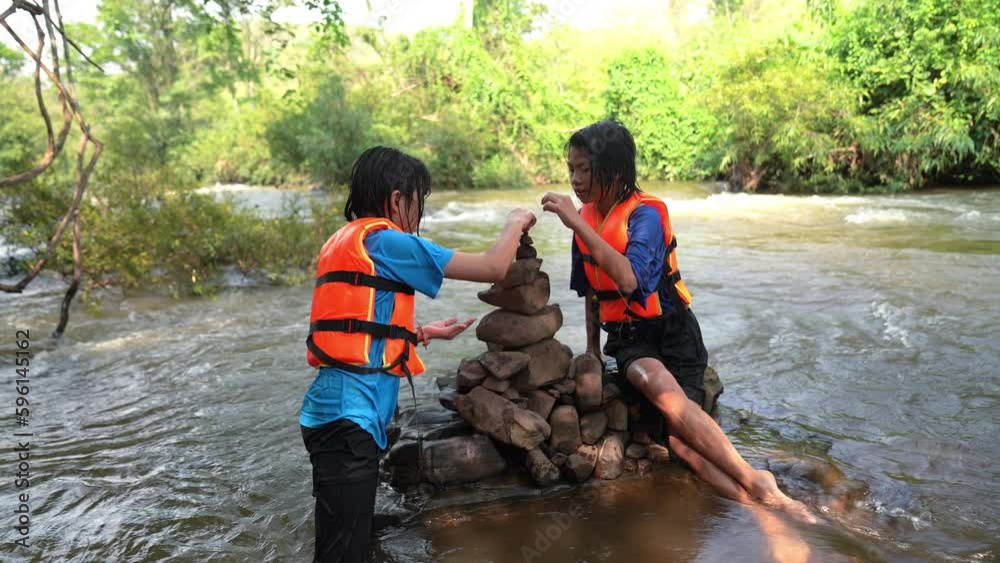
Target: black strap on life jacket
613 295
358 278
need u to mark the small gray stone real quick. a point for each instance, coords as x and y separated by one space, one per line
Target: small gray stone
543 471
644 466
610 458
658 453
635 451
580 464
559 459
471 374
447 399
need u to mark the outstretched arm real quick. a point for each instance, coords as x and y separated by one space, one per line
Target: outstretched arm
610 260
442 330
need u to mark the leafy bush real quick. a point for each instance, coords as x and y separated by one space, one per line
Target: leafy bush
786 123
323 135
928 78
499 172
671 132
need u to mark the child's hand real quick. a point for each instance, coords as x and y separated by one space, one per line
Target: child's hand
561 205
522 216
442 330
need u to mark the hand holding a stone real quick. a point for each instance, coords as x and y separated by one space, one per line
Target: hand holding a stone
523 217
442 330
561 205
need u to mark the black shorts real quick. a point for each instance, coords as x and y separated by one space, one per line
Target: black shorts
344 461
675 340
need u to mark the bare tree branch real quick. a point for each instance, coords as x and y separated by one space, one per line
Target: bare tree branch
84 165
54 147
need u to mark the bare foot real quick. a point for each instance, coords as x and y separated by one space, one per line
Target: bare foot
766 492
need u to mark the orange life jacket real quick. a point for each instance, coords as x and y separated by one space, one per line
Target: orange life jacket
614 306
342 322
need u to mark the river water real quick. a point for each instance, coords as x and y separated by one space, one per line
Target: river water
858 333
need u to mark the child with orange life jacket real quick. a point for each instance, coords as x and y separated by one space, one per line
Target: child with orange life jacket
363 335
624 256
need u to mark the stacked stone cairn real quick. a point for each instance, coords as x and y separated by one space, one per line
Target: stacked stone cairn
540 405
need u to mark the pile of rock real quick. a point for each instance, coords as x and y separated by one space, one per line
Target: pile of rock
529 392
527 400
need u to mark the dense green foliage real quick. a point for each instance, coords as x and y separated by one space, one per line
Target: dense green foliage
928 76
796 95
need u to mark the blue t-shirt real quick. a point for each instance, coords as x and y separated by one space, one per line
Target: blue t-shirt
370 399
645 251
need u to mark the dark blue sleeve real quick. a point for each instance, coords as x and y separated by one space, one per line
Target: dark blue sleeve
645 250
577 277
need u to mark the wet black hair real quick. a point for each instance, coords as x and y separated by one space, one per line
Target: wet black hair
612 154
376 174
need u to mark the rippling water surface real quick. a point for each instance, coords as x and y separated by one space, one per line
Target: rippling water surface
859 333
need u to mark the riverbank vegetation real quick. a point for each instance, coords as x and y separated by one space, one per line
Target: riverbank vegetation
816 96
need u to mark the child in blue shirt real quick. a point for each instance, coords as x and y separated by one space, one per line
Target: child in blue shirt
345 412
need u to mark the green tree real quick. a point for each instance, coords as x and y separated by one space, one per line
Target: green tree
11 62
787 123
669 126
929 82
